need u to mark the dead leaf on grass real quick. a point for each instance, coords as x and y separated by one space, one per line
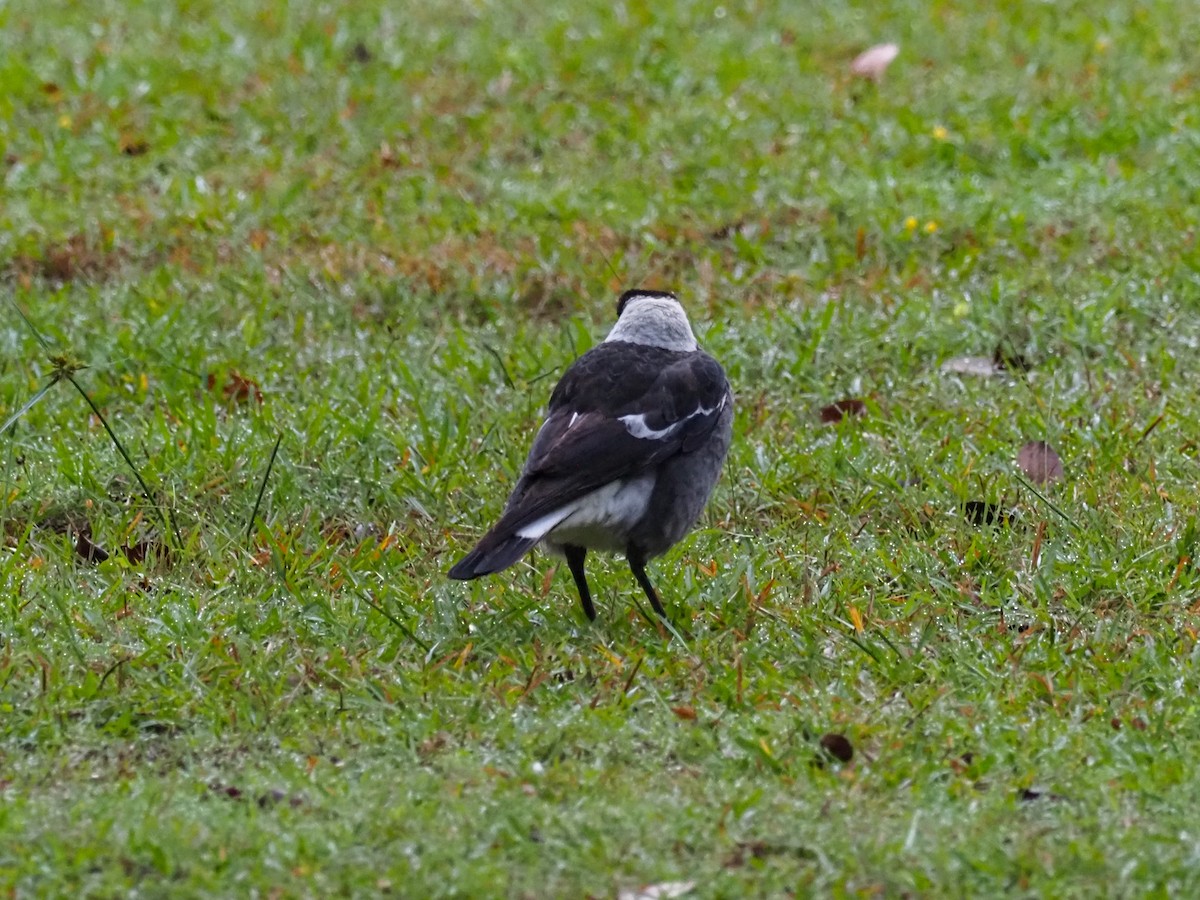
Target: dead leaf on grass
1040 462
229 791
237 388
1008 358
843 409
137 552
980 512
748 851
838 746
133 145
1028 794
78 256
88 551
874 61
275 796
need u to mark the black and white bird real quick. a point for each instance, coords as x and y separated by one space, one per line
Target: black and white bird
632 446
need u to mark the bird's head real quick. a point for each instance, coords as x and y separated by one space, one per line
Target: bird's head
654 318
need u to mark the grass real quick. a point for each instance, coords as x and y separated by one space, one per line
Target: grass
372 237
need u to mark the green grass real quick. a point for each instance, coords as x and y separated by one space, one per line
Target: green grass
401 223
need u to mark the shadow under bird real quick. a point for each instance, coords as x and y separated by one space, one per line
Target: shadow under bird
633 443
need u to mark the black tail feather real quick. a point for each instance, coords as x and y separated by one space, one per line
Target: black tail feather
493 553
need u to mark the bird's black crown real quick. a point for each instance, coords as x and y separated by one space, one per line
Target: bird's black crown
640 294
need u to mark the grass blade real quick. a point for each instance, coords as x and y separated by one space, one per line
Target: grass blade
262 488
165 512
28 405
404 629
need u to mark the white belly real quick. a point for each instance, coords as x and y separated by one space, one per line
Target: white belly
600 520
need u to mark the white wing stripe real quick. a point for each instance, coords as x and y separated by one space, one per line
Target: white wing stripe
537 529
635 423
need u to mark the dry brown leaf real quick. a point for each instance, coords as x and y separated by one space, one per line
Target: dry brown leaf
838 746
136 552
873 61
1040 462
237 387
133 144
842 409
88 551
980 512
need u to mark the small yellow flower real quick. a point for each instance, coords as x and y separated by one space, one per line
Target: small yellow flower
910 224
940 133
931 226
64 121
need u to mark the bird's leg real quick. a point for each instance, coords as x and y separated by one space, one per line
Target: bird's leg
637 562
575 556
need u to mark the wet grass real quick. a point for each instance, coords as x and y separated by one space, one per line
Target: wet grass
373 237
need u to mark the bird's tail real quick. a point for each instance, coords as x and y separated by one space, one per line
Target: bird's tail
495 552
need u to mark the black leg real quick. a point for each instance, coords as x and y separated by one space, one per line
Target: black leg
637 562
575 557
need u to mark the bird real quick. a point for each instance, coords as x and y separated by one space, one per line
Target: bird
633 442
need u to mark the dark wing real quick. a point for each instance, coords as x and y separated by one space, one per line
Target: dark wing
621 410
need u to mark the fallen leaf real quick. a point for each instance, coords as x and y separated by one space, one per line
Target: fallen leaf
78 256
979 512
684 712
746 850
275 796
1040 463
226 790
1028 794
961 763
133 145
660 891
838 746
136 552
728 230
86 550
835 412
1008 358
873 61
237 387
979 366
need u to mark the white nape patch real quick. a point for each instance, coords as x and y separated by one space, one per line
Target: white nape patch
636 425
600 520
655 322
